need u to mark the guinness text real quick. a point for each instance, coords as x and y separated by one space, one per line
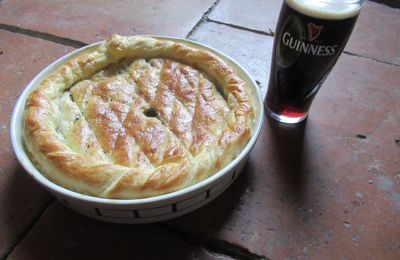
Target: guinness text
308 48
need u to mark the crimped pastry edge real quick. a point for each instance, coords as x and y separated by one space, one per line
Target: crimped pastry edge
101 179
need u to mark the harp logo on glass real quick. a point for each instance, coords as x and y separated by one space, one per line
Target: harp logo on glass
313 31
309 48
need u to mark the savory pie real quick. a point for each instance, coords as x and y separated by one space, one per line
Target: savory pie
137 117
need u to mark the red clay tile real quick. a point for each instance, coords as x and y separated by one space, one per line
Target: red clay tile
360 95
377 33
21 199
91 21
253 51
63 234
328 190
254 14
321 190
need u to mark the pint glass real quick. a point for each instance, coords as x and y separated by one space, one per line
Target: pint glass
309 38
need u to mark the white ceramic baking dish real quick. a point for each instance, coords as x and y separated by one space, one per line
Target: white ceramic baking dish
144 210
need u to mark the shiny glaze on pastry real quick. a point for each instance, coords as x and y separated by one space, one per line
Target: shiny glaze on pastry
137 117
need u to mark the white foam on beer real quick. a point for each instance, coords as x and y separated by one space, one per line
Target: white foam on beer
326 9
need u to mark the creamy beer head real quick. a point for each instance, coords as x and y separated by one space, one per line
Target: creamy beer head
326 9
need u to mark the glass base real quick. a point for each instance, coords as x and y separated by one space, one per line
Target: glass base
284 119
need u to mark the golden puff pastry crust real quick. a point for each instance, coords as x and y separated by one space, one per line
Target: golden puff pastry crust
137 117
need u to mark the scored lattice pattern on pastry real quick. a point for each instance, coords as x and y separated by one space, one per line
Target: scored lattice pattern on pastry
153 112
136 118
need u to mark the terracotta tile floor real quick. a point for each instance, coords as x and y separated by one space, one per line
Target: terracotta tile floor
327 189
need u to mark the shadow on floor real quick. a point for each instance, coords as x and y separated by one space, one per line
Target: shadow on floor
287 144
22 202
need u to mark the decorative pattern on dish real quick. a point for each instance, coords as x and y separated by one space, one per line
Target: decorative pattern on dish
137 117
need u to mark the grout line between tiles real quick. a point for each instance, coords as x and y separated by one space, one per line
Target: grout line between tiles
79 44
203 18
43 36
369 58
28 228
270 33
213 245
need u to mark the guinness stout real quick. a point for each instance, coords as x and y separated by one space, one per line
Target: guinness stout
310 36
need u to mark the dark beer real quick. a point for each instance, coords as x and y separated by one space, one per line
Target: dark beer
307 44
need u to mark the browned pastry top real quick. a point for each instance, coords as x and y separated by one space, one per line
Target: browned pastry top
137 117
